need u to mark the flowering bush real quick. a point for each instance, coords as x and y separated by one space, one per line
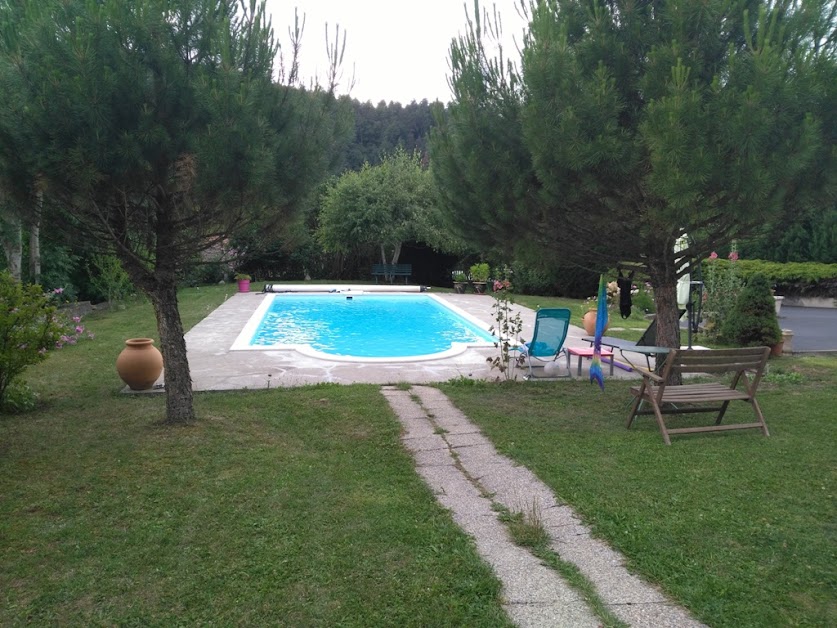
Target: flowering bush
612 288
29 327
721 287
507 327
59 296
71 332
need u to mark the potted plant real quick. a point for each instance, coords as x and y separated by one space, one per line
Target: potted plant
243 280
479 276
591 309
460 281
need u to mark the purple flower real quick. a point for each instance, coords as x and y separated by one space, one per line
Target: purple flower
76 319
79 329
58 291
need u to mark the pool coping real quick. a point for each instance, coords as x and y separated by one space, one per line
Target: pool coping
242 341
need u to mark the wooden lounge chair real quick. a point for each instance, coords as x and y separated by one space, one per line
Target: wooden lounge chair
746 366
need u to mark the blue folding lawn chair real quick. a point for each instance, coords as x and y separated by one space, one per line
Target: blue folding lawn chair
551 326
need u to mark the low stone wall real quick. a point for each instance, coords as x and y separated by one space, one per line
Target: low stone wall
810 301
80 308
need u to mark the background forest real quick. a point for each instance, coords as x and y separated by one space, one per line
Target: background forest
377 131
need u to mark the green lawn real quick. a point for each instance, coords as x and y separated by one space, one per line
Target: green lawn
740 528
300 507
292 507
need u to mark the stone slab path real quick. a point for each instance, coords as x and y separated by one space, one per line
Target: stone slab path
470 478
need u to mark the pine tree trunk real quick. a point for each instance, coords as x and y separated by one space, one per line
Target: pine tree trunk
178 381
664 280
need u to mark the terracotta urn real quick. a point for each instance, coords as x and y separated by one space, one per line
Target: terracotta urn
589 322
140 363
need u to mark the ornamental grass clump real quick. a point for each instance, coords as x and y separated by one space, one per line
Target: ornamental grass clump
753 321
29 328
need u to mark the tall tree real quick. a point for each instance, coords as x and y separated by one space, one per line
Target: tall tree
381 207
629 124
158 127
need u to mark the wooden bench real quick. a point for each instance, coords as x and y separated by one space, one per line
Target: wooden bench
390 271
746 367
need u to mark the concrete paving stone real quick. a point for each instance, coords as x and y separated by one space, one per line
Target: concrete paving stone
448 481
417 428
604 567
534 594
566 533
455 427
525 578
426 443
561 515
654 616
475 457
470 439
571 615
434 458
473 514
516 487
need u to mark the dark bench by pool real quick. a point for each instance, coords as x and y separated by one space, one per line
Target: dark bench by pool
391 271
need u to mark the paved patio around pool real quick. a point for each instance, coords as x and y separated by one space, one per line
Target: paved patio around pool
214 366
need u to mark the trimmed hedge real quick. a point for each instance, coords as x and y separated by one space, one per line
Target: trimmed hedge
789 279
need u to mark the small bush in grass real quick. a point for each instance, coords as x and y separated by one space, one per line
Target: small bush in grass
29 327
752 321
18 398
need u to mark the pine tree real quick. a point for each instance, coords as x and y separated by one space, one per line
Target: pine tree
159 130
630 124
753 321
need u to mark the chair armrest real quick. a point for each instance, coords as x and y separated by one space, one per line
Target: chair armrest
650 375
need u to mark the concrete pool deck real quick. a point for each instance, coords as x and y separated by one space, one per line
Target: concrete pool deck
214 366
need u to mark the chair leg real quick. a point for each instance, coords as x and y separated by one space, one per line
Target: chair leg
661 423
759 416
636 404
722 412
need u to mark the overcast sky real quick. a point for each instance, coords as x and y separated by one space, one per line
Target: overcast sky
396 49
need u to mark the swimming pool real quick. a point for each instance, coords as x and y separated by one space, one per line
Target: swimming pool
362 327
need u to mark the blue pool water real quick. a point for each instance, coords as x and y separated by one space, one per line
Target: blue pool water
371 326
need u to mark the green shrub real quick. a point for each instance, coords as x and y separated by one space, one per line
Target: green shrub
18 399
480 272
753 322
109 280
29 327
643 300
